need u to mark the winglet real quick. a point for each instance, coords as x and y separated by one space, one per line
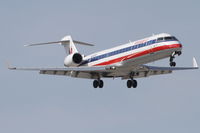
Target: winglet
195 63
9 66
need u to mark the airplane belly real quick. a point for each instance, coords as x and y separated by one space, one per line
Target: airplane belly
149 57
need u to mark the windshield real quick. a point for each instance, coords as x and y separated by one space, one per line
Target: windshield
169 38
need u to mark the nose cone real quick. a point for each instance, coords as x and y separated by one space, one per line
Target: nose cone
180 45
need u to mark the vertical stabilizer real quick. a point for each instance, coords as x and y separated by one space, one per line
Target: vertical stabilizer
68 44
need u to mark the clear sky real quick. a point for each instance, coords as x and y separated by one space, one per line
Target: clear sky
33 103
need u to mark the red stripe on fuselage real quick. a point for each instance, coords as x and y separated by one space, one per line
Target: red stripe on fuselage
142 53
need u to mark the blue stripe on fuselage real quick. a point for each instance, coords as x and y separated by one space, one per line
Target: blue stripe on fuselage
119 51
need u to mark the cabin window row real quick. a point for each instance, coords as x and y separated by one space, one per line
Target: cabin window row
123 50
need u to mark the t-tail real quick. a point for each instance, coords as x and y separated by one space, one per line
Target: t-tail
69 45
74 58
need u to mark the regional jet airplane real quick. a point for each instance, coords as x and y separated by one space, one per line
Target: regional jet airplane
126 61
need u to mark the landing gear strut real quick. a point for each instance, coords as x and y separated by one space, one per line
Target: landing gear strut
132 83
98 83
171 59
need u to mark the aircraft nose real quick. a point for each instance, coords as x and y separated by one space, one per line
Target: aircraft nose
181 45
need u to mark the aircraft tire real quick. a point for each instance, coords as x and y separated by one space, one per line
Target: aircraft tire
129 83
95 83
101 83
172 64
134 82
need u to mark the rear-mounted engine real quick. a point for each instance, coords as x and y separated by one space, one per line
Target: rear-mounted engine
73 59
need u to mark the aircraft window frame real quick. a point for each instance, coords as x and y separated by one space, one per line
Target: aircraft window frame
174 38
160 39
168 38
149 43
140 45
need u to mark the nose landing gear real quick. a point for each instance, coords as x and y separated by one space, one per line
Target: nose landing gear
171 59
172 64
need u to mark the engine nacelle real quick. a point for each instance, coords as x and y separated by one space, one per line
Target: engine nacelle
73 60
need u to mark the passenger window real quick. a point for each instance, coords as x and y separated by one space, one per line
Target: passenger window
149 42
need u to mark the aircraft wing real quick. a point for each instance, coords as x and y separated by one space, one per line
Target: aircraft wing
146 71
79 72
106 71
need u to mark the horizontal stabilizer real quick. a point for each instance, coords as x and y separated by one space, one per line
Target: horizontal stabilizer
42 43
61 42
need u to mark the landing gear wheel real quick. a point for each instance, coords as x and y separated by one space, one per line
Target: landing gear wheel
134 82
100 83
129 83
171 59
95 83
172 64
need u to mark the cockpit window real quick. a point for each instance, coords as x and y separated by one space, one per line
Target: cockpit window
168 38
160 39
175 38
171 38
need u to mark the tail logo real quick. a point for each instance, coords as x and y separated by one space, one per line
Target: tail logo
70 51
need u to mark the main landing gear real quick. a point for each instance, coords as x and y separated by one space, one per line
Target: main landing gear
171 59
132 83
98 83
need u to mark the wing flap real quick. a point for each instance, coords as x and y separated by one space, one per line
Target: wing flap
147 73
75 74
145 70
79 72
